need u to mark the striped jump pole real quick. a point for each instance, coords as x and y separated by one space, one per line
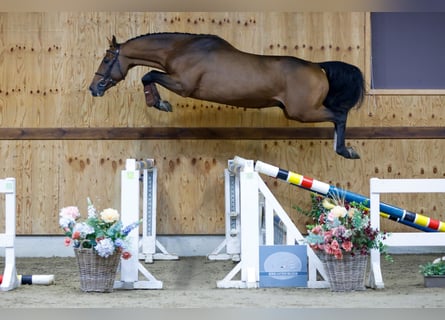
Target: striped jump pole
408 218
40 279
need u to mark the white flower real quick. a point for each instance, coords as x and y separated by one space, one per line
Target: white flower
68 216
109 215
339 212
84 229
105 247
91 209
65 222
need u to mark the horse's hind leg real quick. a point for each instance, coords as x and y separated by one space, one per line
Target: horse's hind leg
322 114
152 97
339 138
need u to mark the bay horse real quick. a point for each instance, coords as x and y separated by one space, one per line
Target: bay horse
209 68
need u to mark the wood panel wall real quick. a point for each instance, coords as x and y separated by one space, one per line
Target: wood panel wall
47 61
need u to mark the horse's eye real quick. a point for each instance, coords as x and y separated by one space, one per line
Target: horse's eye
106 60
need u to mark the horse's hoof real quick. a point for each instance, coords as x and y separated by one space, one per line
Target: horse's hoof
348 153
352 153
165 106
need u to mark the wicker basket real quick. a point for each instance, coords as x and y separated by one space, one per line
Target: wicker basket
347 274
97 274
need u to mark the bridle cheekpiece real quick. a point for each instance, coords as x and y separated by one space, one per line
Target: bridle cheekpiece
106 76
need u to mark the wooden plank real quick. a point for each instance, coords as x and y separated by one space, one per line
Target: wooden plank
48 116
54 174
236 133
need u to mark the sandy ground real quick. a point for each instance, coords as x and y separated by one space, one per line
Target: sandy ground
191 283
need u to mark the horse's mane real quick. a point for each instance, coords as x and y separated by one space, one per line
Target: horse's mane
170 33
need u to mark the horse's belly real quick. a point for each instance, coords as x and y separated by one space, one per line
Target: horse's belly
235 98
241 92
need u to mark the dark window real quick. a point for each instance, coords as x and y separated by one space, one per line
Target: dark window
408 50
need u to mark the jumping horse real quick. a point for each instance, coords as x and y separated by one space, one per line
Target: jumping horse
209 68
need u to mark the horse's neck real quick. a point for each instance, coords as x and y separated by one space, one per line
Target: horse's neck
150 50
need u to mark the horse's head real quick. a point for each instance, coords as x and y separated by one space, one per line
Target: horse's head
110 71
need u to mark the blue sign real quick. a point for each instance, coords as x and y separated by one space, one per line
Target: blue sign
283 266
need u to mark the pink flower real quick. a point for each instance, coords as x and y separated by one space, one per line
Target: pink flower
316 246
71 212
335 245
76 235
317 230
328 236
328 249
67 241
347 246
338 254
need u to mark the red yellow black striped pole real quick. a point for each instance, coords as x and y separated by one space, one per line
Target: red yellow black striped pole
409 218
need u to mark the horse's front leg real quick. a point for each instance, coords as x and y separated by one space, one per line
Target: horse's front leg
152 97
339 139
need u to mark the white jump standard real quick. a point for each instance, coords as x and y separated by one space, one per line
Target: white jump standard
130 210
150 248
232 240
252 225
403 239
7 239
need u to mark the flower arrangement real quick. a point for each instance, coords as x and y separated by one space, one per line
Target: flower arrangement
103 232
342 228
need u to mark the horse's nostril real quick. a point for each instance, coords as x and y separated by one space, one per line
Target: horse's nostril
94 93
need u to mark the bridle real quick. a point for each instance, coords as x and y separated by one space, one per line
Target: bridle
106 76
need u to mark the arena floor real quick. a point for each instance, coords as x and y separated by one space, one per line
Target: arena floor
191 283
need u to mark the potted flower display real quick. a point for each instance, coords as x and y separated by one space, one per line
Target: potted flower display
342 237
434 273
99 242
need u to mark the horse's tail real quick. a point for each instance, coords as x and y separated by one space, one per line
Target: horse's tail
346 85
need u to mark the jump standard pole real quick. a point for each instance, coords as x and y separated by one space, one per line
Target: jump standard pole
391 212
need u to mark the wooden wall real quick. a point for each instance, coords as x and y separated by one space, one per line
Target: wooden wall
47 61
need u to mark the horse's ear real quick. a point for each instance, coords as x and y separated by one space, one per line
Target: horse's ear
112 42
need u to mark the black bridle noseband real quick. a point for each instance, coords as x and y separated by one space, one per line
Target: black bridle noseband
106 76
